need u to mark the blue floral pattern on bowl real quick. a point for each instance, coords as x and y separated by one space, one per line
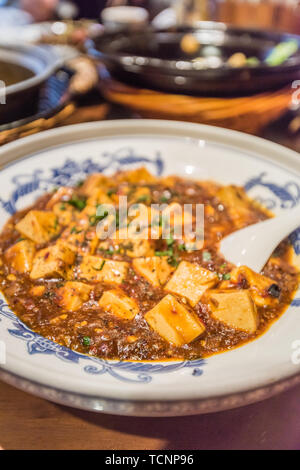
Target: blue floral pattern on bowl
142 372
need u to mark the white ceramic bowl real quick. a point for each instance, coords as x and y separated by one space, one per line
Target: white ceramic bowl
63 156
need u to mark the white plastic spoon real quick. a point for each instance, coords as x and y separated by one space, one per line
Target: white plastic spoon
252 246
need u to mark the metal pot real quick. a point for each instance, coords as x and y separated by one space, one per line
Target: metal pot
155 59
20 100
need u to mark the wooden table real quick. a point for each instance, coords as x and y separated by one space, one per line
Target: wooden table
27 422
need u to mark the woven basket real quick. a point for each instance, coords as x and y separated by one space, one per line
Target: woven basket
68 115
82 80
249 114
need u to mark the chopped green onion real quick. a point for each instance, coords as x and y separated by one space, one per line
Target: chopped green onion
101 266
206 256
281 52
94 219
117 219
173 261
226 277
78 203
75 230
143 198
170 241
86 341
109 251
166 196
164 253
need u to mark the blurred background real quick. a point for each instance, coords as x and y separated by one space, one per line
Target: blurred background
95 59
281 15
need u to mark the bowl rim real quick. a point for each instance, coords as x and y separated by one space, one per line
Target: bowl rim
14 151
154 408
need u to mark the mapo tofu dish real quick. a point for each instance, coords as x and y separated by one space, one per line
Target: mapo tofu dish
140 298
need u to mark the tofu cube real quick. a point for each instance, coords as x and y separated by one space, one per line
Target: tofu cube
39 226
116 302
94 182
54 260
20 256
155 269
175 215
132 245
64 212
84 242
72 295
99 196
139 175
136 247
235 308
237 204
191 281
97 269
37 291
258 284
144 222
174 322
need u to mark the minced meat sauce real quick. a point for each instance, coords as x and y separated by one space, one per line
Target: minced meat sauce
99 331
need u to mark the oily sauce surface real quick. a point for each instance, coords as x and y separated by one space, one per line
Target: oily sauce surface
91 329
